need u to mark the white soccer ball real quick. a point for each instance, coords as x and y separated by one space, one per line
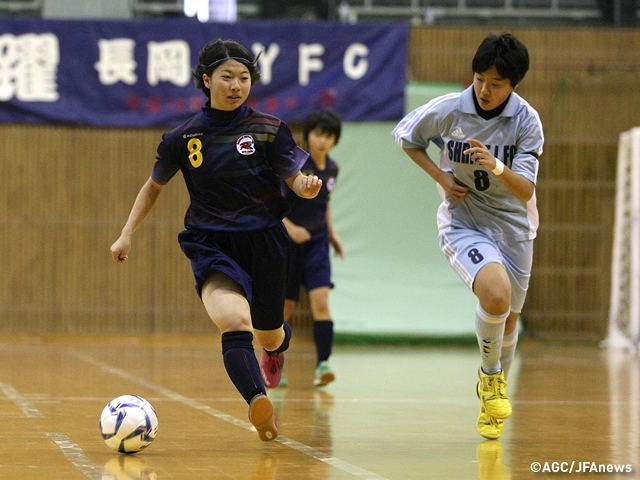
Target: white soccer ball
128 424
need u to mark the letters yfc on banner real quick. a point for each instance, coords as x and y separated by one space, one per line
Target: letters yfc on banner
29 62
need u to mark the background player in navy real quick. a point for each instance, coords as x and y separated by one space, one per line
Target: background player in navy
232 159
310 226
491 139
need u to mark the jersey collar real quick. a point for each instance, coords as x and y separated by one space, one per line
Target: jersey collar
220 118
467 104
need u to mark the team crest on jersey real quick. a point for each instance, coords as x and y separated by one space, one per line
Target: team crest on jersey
331 183
246 145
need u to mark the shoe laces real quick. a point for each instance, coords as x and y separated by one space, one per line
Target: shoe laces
273 363
497 385
488 420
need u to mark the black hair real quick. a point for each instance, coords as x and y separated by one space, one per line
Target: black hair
213 55
328 121
507 53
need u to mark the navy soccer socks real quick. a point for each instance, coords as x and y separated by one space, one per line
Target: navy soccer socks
323 338
241 364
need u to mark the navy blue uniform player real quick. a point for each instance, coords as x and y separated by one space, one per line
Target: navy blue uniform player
310 226
491 139
232 159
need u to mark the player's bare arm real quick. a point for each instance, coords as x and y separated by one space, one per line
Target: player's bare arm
146 199
521 187
297 233
454 188
334 239
305 186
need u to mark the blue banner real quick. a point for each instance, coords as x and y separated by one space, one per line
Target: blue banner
138 73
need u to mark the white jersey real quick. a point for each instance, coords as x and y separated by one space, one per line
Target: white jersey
515 137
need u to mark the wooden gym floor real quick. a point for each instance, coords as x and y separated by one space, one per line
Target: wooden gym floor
394 412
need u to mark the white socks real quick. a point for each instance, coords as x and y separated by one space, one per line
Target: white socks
490 333
509 343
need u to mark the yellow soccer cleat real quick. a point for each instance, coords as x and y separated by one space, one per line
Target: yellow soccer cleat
492 392
488 426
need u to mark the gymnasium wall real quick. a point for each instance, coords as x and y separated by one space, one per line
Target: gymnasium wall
65 193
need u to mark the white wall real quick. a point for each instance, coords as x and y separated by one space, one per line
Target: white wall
394 279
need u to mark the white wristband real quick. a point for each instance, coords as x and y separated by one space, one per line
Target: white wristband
499 167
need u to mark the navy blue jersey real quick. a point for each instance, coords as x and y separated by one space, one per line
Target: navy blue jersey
312 213
232 163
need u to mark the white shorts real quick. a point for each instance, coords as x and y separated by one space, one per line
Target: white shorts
469 250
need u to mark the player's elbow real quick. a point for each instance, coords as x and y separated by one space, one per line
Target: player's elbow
527 194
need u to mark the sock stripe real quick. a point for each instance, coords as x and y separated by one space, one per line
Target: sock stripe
508 341
489 318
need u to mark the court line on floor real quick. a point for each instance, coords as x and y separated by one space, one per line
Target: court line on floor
25 405
300 447
76 456
71 450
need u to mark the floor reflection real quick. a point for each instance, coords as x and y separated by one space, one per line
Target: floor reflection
128 467
489 455
624 406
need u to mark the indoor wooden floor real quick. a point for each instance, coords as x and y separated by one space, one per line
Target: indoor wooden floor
394 412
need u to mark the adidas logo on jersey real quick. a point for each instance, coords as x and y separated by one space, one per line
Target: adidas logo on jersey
458 133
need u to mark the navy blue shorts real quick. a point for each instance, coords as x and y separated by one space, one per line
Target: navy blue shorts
309 266
256 260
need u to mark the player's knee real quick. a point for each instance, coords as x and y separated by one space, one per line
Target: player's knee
319 303
495 297
270 340
320 309
495 300
232 325
493 289
231 320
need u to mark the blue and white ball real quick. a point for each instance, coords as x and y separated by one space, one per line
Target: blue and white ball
128 424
